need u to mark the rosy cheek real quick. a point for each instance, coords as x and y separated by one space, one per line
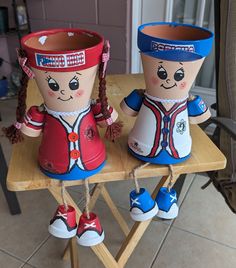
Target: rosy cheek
155 81
182 85
51 93
79 93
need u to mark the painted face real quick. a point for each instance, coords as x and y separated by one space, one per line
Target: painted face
66 91
169 79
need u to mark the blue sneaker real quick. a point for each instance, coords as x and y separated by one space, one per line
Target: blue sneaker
142 206
167 203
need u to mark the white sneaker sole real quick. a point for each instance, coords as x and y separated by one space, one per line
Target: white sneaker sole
87 241
61 233
171 214
140 216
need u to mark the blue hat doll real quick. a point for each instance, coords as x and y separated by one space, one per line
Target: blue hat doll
172 55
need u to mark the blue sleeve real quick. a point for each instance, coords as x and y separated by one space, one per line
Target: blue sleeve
196 107
134 100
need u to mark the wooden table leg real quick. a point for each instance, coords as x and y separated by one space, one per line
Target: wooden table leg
114 210
95 194
138 229
66 252
100 250
74 253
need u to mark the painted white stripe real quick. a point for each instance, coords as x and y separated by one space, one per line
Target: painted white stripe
74 129
28 120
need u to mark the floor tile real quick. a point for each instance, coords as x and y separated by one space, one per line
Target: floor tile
205 213
184 250
7 261
21 234
49 255
28 266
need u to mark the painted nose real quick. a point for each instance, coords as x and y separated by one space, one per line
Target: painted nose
62 92
168 81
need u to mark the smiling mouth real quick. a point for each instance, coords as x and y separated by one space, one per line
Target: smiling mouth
66 99
168 87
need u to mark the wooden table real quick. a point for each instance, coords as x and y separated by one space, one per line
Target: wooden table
24 173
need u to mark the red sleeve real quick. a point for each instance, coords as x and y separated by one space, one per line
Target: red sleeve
34 118
96 109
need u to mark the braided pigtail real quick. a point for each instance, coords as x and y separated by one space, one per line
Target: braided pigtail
114 128
13 132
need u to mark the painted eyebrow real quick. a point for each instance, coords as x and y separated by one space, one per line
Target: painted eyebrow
160 62
46 72
181 63
78 73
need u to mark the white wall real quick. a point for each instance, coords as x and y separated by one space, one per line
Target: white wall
143 11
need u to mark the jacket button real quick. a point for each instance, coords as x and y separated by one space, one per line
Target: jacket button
73 137
75 154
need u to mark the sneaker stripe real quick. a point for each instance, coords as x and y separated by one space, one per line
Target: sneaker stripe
90 229
65 222
139 207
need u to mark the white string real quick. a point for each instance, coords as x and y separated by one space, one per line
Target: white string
74 113
63 195
171 177
166 100
87 197
133 175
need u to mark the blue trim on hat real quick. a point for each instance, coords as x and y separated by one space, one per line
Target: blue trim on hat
186 50
176 55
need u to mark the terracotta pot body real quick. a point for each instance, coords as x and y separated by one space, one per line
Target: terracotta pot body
172 55
64 63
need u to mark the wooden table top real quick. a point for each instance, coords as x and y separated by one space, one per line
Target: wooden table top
24 174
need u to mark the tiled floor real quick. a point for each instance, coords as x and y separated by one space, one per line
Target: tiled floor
202 236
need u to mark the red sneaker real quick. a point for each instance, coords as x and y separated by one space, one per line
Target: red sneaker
89 232
63 224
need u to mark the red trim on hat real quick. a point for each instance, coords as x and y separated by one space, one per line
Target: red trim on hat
64 60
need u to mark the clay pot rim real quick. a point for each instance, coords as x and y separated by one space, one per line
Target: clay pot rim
59 30
174 24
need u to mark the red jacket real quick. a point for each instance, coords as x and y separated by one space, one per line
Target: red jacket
64 146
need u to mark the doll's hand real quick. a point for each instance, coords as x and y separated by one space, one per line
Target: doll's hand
112 119
33 122
133 102
198 112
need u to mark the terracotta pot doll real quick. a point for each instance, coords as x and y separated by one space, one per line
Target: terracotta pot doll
172 55
64 63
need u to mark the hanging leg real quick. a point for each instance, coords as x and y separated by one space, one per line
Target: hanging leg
100 250
142 206
63 224
90 232
167 199
138 230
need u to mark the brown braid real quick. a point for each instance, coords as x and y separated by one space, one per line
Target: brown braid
11 132
114 130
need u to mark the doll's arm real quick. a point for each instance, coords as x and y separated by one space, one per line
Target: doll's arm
198 112
33 122
99 118
131 104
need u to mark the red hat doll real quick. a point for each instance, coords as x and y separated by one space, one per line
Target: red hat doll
64 63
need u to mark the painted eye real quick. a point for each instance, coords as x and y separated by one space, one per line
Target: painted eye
53 84
179 75
161 72
74 83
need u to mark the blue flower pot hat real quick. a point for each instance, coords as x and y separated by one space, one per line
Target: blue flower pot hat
174 41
